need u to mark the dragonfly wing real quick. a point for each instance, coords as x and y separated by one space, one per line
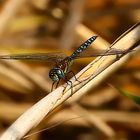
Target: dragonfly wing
95 53
52 57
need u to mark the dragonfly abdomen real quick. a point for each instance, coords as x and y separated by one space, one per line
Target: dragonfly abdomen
82 47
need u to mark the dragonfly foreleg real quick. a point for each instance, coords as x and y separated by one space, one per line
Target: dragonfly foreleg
69 83
74 76
57 84
52 86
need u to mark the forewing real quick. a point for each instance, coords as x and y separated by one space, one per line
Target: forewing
96 52
51 57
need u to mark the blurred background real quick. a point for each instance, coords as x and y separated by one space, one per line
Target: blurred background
62 25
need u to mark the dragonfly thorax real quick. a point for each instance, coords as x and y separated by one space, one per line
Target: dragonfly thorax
56 74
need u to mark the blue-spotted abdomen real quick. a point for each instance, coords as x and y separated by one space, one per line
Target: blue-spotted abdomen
82 47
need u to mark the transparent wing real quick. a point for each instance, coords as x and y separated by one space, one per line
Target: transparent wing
52 57
95 53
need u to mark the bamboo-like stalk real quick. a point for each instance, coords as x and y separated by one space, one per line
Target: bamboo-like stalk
36 113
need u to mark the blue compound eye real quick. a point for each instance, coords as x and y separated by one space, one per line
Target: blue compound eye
54 77
56 74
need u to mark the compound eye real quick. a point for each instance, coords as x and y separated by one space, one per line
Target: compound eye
60 73
54 77
56 74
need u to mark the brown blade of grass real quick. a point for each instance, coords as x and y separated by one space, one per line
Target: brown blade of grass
94 120
27 73
85 32
68 34
21 75
10 76
36 113
9 10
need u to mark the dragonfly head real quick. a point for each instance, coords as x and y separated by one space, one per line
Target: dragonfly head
56 74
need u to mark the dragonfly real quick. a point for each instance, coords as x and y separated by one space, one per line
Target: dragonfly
63 62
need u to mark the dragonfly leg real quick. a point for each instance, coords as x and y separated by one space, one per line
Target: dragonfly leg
69 83
71 86
57 84
52 86
74 76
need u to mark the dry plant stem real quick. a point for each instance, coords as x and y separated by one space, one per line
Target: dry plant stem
105 115
32 116
118 116
15 77
35 114
74 18
94 120
29 74
84 32
12 109
10 8
99 98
